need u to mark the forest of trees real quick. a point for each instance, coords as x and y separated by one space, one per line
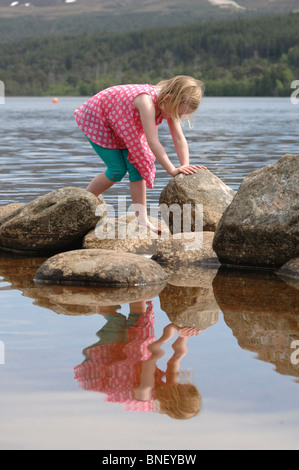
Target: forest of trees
245 57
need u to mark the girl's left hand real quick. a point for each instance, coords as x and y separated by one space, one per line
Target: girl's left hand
188 169
188 331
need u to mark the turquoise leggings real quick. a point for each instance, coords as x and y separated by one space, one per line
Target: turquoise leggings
117 163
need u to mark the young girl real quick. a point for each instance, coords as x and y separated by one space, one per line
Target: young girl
121 125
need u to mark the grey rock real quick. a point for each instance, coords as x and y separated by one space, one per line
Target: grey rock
51 222
202 188
261 226
9 211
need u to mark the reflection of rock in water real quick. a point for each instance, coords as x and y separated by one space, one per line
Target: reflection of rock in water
289 273
190 276
69 300
19 271
263 314
193 307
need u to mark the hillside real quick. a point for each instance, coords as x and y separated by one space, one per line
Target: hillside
244 57
29 19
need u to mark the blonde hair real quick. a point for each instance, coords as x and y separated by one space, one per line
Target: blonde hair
179 401
181 89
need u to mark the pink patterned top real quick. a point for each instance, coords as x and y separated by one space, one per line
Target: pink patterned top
115 369
111 120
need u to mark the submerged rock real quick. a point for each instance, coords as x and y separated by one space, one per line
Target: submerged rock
187 248
200 188
100 268
51 222
125 234
290 270
190 275
261 226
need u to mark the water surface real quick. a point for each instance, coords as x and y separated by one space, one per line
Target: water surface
73 356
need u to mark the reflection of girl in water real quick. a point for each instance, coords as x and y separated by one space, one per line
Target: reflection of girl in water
123 364
178 400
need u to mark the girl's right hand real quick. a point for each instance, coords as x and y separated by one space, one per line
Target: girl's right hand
187 169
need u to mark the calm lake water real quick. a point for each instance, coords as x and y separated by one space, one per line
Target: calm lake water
70 358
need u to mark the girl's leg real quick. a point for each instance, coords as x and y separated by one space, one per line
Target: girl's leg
99 184
116 169
138 195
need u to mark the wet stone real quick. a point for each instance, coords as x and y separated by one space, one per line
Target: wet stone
187 249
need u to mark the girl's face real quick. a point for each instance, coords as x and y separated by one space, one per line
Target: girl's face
182 111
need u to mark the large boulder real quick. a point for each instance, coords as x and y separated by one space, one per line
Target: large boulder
100 268
201 188
50 223
261 226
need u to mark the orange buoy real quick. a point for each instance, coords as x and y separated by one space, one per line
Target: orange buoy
55 100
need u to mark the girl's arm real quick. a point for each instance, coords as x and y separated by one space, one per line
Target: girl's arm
181 145
179 140
147 111
147 378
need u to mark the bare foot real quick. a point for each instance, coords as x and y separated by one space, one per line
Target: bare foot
150 226
154 229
